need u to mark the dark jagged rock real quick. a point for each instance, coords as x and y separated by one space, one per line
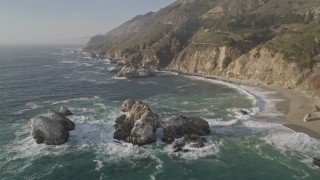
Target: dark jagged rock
195 141
139 125
169 134
48 131
123 127
127 105
93 55
181 125
67 123
243 112
65 111
118 67
132 72
316 161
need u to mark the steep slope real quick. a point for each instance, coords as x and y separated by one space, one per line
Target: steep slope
264 41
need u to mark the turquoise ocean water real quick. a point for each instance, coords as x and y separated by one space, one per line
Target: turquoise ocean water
34 79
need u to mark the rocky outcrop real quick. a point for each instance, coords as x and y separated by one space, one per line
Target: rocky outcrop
316 161
48 131
195 141
65 111
52 129
132 72
144 129
180 126
62 119
118 67
138 125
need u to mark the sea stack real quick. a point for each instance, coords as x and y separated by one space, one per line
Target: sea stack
52 129
138 125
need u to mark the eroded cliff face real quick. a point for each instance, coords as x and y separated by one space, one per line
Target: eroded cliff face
258 66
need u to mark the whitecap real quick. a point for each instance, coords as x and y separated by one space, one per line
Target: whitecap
165 73
211 149
147 82
99 164
30 106
118 78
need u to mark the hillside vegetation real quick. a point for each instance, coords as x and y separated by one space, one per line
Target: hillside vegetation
177 35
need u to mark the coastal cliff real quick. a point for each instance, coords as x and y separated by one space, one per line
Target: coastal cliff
261 41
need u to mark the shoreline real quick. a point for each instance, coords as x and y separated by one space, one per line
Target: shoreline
295 106
291 106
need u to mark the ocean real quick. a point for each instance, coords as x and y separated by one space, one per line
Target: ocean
34 79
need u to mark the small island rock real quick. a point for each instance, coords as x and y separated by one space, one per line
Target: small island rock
45 130
138 125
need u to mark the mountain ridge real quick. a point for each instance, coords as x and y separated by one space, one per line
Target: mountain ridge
264 41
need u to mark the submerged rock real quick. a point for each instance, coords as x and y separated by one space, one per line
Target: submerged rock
48 131
138 125
52 129
195 141
131 72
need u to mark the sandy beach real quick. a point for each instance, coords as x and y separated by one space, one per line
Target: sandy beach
295 106
292 105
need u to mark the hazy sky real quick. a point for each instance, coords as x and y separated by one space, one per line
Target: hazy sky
66 21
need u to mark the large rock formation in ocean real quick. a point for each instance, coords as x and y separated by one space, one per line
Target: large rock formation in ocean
138 125
180 126
52 129
259 41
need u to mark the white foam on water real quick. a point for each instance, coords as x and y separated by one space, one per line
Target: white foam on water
118 78
89 80
285 139
147 82
235 86
159 167
184 86
236 112
61 102
294 142
166 73
266 101
211 149
220 122
30 106
99 165
76 99
68 62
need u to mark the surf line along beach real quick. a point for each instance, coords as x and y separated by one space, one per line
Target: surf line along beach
289 107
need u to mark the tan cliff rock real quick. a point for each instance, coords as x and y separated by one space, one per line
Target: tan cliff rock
259 66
